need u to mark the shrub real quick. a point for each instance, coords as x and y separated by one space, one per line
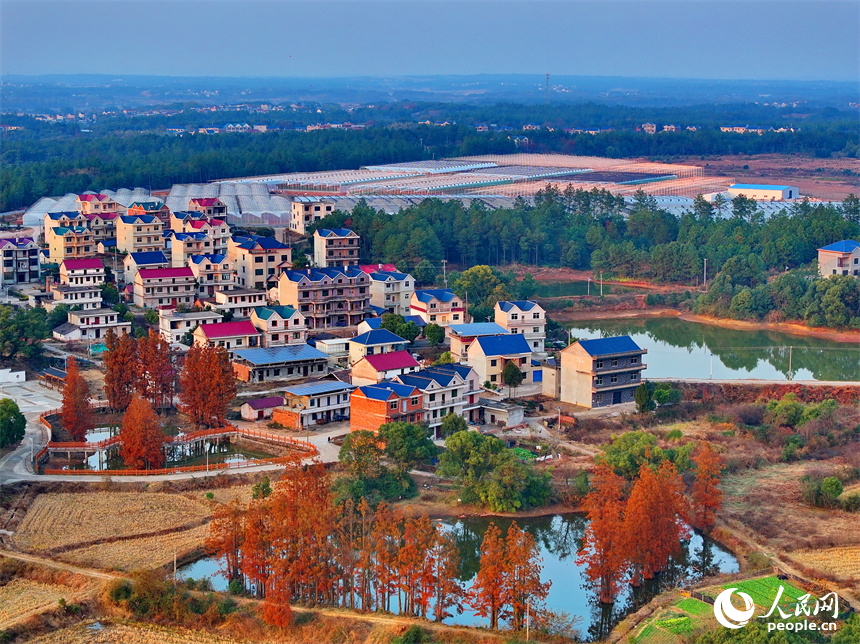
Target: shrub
674 435
413 635
831 486
758 561
851 503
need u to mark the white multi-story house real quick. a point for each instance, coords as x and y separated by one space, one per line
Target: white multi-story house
279 325
525 317
82 272
133 262
446 389
173 326
240 301
336 247
392 291
181 246
307 210
438 306
156 287
20 259
258 261
841 258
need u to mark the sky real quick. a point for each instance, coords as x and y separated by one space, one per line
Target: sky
732 39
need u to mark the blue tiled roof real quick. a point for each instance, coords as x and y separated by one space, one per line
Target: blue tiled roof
477 328
78 230
398 388
376 393
441 294
145 219
381 276
522 305
318 274
277 355
108 243
266 243
441 375
844 246
378 336
150 257
498 345
70 214
337 232
194 236
608 346
461 369
379 310
373 323
417 319
322 387
215 258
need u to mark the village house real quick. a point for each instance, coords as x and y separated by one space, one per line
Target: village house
71 242
374 343
447 389
289 362
392 291
438 306
841 258
372 406
525 317
133 262
154 208
326 296
155 287
92 204
305 211
215 229
258 261
91 324
139 233
260 408
209 206
230 335
173 325
463 335
82 272
314 403
21 264
335 247
103 225
372 369
213 273
182 246
280 325
370 324
239 301
602 372
488 355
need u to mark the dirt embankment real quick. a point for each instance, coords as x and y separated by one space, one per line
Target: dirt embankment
749 393
795 328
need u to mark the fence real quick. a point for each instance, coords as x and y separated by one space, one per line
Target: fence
230 430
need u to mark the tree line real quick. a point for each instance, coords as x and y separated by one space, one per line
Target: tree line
295 544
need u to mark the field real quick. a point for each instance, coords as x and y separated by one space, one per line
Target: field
136 554
22 598
668 627
764 590
57 521
842 563
130 634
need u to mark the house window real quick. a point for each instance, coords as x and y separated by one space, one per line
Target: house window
600 364
493 378
615 362
634 360
493 363
414 402
393 405
536 316
634 376
598 381
613 379
536 329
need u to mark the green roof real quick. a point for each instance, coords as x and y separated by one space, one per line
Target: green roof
286 312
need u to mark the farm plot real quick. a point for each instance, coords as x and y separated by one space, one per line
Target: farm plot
139 554
764 591
22 598
843 563
686 616
60 520
96 633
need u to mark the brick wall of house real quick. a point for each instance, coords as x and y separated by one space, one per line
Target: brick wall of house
242 371
366 414
286 417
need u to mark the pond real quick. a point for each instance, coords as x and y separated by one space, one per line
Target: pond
681 349
558 538
562 289
218 452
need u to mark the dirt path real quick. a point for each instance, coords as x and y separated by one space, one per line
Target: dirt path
59 565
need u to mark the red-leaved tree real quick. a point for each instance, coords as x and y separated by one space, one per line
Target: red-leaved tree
488 595
524 586
602 551
208 385
707 497
76 412
120 362
142 438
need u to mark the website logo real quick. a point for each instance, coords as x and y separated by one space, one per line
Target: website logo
729 616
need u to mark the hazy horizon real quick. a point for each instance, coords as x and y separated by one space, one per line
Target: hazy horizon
673 40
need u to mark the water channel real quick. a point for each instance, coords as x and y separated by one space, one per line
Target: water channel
558 537
681 349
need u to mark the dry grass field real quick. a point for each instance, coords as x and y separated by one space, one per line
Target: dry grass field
138 554
842 563
22 598
61 520
130 634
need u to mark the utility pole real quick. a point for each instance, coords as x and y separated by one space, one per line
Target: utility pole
705 279
445 272
528 603
601 284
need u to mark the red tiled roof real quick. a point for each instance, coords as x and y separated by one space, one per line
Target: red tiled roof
208 201
198 223
375 268
154 273
217 222
81 264
392 360
98 197
228 329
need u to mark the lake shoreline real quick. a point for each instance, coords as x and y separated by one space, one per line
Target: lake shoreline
848 337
